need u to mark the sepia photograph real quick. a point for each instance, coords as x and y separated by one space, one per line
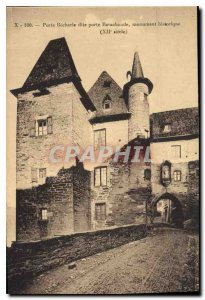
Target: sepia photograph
103 160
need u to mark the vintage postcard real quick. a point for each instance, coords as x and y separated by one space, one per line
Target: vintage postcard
103 150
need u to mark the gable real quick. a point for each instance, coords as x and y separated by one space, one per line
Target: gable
106 90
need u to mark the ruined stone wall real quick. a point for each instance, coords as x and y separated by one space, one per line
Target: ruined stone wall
67 200
81 199
56 195
25 260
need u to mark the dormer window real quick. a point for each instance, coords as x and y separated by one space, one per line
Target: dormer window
107 83
167 128
107 102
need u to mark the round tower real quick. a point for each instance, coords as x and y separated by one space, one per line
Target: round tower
136 93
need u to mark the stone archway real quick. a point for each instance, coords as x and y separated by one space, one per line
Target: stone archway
171 211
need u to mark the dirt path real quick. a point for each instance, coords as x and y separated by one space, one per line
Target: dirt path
151 265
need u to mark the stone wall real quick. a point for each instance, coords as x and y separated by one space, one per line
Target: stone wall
81 198
139 109
125 194
186 190
66 198
193 190
25 260
67 111
177 187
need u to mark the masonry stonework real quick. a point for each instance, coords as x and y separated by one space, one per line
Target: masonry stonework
64 106
67 199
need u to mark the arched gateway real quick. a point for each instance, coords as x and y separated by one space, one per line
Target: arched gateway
167 208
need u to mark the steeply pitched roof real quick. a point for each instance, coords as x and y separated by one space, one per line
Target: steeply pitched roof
136 76
55 66
136 67
181 122
55 63
106 88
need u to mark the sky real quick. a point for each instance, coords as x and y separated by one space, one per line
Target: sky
168 54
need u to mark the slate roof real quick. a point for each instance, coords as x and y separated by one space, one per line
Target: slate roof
183 123
55 66
106 88
136 76
137 71
54 63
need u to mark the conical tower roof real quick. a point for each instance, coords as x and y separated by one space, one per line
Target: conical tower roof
137 76
137 71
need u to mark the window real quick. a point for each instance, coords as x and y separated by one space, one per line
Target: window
147 174
42 173
107 104
44 214
177 175
176 151
167 128
100 176
38 175
99 138
41 127
100 211
107 83
34 175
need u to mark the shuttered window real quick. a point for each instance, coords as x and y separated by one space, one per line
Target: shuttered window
34 175
42 173
177 175
41 127
44 214
100 174
100 211
50 125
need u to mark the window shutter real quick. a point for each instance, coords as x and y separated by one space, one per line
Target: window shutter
97 177
34 175
33 128
50 125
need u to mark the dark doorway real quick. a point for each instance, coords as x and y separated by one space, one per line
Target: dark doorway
167 209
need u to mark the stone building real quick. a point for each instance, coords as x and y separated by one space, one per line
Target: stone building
61 197
175 152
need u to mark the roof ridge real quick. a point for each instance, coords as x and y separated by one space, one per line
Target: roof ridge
185 108
101 74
